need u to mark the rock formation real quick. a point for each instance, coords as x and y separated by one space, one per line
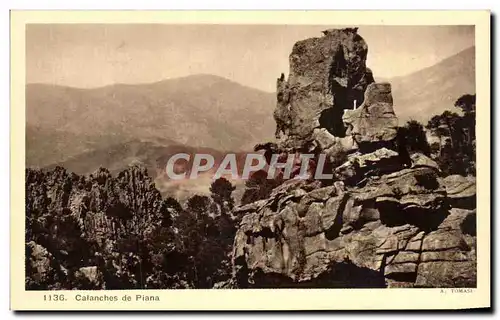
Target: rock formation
78 226
387 219
100 205
116 232
374 123
327 75
43 269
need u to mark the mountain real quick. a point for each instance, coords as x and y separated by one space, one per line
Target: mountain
432 90
118 156
199 111
45 146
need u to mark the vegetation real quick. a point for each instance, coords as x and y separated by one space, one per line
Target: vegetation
120 227
414 137
455 148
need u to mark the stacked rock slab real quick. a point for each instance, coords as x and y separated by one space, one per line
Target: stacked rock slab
396 231
374 123
387 220
327 75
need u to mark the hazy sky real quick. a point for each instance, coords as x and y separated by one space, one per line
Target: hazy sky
97 55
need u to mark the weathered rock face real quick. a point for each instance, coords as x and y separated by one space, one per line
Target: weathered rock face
78 226
330 103
91 278
45 271
374 122
386 220
101 205
461 190
327 75
396 231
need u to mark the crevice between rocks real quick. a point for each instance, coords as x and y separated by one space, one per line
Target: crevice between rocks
341 275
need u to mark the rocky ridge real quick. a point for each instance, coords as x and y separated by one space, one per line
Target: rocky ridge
387 219
77 226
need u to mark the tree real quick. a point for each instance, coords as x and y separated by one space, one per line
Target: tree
435 147
467 103
457 135
435 127
446 125
258 187
415 139
206 240
221 193
198 205
452 122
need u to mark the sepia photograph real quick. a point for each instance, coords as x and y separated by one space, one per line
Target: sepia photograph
237 156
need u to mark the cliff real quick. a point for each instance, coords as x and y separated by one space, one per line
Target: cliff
386 219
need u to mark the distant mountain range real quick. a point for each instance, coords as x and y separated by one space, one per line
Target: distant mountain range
432 90
198 111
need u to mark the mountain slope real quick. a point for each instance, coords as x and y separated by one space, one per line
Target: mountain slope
199 111
154 157
117 157
45 146
435 89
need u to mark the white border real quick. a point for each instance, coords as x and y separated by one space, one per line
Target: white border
147 4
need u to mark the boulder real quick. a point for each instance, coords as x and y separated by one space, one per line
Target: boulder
461 191
323 138
43 272
406 182
421 160
374 124
460 219
447 274
360 166
90 278
389 227
458 186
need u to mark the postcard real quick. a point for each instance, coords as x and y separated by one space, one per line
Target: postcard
250 160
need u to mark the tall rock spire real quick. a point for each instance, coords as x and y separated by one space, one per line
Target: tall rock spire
327 74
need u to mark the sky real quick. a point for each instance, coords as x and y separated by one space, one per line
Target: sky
95 55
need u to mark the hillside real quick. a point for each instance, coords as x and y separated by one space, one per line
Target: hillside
153 156
199 111
432 90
